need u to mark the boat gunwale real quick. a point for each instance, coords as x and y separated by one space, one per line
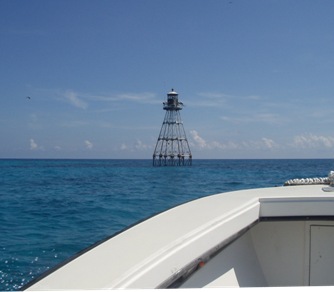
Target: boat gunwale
261 201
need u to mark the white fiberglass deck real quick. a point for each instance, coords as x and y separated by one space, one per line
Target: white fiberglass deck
248 251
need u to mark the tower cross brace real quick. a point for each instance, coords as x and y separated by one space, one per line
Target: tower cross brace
172 148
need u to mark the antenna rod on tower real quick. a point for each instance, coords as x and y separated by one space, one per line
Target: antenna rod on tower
172 147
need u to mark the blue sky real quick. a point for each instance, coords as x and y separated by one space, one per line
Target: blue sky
256 77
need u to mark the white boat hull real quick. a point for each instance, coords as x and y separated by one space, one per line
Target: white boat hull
280 236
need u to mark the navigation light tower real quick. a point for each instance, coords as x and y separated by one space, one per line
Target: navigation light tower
172 147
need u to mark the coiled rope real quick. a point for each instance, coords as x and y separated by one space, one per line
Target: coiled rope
312 181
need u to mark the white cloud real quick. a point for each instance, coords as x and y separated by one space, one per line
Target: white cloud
137 146
145 97
33 144
263 143
141 146
89 145
139 97
124 147
269 143
73 98
313 141
268 118
201 143
211 99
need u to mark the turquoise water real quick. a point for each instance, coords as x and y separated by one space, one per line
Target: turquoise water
52 209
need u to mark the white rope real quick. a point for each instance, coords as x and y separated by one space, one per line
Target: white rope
312 181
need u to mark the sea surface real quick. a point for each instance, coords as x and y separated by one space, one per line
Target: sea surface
52 209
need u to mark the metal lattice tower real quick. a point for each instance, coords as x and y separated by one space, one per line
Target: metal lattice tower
172 147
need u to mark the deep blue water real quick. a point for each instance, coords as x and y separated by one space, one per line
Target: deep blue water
52 209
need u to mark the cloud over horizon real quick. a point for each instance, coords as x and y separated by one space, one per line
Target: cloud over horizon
313 141
89 145
33 144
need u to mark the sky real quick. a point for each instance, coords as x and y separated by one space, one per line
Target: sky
255 76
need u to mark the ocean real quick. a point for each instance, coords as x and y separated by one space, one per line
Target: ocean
52 209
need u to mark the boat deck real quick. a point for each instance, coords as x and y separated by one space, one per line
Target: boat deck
229 239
